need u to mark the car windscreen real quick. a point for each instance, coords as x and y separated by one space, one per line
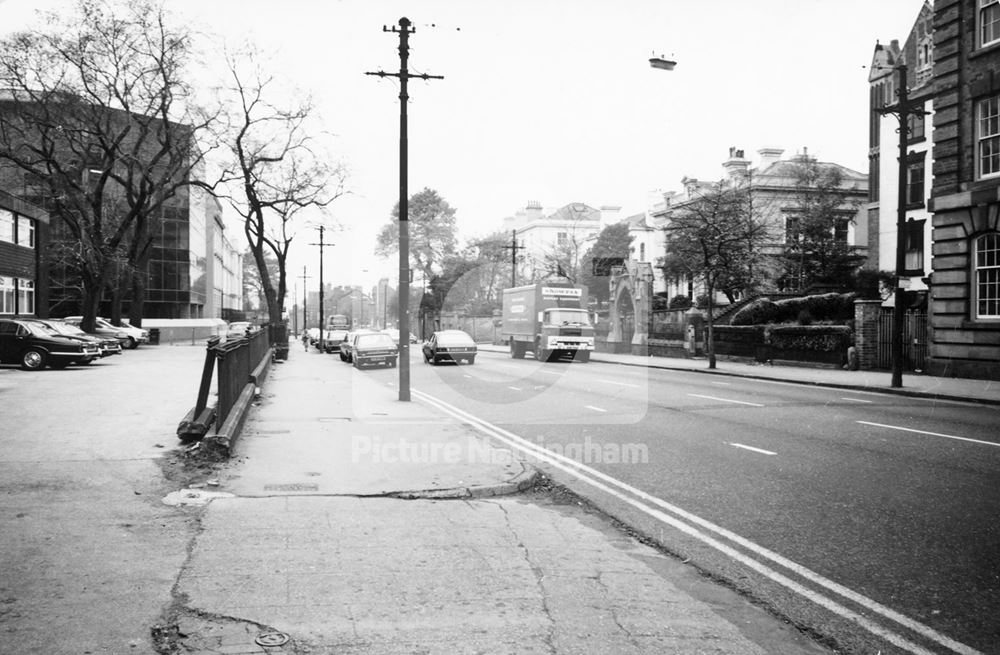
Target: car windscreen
375 341
41 329
66 328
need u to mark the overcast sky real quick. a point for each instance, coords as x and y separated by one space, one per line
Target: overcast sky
554 100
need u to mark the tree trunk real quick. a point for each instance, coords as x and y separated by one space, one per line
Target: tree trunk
116 303
93 290
710 346
135 309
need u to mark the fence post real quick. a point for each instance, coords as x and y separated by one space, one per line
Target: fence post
866 319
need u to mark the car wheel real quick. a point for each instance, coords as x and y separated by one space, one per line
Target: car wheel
392 363
472 360
132 343
32 360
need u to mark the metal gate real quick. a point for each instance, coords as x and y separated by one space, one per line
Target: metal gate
914 340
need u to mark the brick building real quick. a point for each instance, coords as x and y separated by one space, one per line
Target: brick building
23 277
965 286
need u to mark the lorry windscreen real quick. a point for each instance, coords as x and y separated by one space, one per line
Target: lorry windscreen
567 317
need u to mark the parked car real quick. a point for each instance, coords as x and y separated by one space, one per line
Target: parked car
34 346
453 345
313 334
333 338
238 329
108 345
101 329
347 345
133 335
374 348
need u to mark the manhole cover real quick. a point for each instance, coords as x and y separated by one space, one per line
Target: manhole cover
271 639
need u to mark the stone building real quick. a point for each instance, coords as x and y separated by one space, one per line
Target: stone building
965 195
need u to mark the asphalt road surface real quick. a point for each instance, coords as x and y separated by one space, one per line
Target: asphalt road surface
869 518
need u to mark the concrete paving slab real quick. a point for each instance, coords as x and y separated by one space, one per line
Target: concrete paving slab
343 432
488 576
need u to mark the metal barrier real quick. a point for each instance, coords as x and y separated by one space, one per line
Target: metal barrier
237 361
914 340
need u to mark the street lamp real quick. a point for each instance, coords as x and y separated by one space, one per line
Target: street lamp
661 63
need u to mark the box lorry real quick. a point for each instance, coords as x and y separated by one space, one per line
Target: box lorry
548 319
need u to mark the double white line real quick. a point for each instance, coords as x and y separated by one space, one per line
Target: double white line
703 530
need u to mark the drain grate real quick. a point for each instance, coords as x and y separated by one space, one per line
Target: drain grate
271 639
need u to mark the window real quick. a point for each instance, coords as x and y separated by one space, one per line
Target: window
25 297
915 182
913 247
916 126
6 295
841 230
989 22
792 229
987 277
6 226
25 232
562 238
642 252
988 136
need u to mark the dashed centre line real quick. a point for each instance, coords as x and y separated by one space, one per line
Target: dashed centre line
756 450
856 400
596 409
724 384
620 384
932 434
725 400
514 388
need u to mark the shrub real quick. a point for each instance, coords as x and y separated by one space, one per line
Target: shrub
680 302
758 312
820 338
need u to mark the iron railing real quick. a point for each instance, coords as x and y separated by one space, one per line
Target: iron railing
914 340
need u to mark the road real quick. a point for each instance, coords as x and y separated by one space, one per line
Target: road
852 513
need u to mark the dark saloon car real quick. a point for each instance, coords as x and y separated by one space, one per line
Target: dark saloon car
374 348
449 345
34 346
108 345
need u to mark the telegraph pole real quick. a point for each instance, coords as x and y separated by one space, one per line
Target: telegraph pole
513 248
321 245
305 296
903 109
404 75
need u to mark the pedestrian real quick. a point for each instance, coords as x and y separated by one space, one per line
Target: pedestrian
305 341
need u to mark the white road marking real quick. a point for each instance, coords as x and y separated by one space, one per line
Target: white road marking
514 388
595 478
725 384
549 372
596 409
933 434
857 400
466 375
756 450
621 384
725 400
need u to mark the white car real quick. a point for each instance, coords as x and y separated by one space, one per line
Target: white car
135 335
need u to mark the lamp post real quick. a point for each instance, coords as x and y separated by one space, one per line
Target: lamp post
903 109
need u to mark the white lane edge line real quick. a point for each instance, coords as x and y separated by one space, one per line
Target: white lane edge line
560 461
620 384
933 434
596 409
514 388
724 384
725 400
857 400
756 450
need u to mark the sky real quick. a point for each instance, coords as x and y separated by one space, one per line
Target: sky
554 101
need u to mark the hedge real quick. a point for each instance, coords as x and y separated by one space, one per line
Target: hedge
820 307
819 338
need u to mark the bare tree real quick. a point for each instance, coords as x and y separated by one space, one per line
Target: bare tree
96 124
278 165
716 237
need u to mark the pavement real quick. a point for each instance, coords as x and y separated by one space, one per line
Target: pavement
350 522
914 384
